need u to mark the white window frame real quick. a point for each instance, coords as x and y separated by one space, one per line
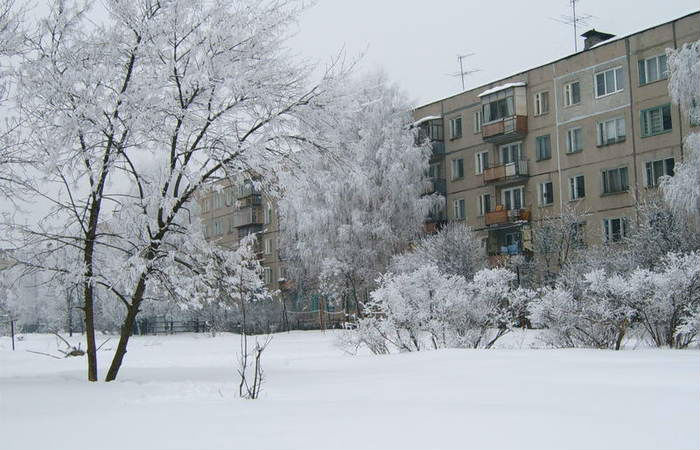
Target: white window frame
543 198
482 204
604 173
267 215
481 164
574 193
569 93
454 128
508 192
538 139
607 228
477 121
570 141
267 275
510 146
540 104
459 209
603 129
650 181
455 168
605 73
661 75
267 246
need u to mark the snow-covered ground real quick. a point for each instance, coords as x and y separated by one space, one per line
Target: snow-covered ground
179 392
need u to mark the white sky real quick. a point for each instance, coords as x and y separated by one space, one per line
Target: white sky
417 42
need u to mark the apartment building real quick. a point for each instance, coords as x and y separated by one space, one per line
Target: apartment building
594 130
231 211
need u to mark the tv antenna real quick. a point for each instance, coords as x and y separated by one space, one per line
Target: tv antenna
575 19
461 73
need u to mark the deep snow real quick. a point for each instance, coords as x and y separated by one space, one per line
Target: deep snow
178 392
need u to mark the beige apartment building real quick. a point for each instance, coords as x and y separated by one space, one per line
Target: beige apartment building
594 130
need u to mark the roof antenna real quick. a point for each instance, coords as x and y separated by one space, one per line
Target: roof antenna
461 73
574 20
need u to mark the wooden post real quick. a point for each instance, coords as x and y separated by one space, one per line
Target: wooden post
12 333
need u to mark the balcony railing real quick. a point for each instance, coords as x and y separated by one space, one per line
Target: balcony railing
248 216
505 130
506 172
506 216
246 190
438 148
436 185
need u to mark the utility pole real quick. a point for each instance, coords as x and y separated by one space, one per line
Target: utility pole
461 73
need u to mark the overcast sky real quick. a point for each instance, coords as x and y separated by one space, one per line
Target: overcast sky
417 42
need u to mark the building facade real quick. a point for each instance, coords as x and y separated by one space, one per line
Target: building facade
594 130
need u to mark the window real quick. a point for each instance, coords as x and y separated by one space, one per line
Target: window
218 227
484 204
615 180
513 198
477 122
459 209
510 153
457 168
434 170
231 224
456 128
615 229
656 120
657 169
574 140
267 273
543 146
609 82
611 131
652 69
267 217
546 193
572 94
481 162
577 234
267 246
500 108
541 103
577 187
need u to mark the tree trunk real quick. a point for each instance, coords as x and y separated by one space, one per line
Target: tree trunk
127 329
89 312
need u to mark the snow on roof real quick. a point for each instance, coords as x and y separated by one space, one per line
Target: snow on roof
425 119
493 90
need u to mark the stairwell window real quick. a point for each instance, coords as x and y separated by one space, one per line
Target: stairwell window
652 69
609 81
459 209
574 140
456 128
611 131
656 120
546 193
657 169
577 187
572 93
615 180
457 168
615 229
477 122
541 103
543 146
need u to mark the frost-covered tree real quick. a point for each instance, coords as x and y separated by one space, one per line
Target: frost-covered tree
682 190
454 250
131 116
347 218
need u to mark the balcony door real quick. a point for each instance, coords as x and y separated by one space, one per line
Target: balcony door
513 198
511 153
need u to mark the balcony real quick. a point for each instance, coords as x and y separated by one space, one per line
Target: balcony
436 186
247 190
505 130
250 200
438 149
507 216
506 172
247 216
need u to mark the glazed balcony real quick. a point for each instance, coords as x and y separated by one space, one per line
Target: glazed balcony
436 186
506 172
247 190
507 216
506 130
248 216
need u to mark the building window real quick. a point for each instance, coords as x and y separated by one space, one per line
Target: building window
656 120
267 274
512 198
572 93
543 146
477 122
267 246
577 187
511 153
434 170
499 109
267 217
459 209
457 168
609 82
615 229
546 193
577 234
657 169
541 103
574 140
231 224
456 128
615 180
652 69
611 131
481 162
218 227
484 204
